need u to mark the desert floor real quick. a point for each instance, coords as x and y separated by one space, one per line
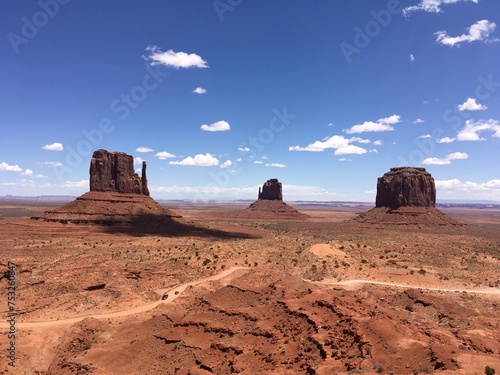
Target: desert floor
319 296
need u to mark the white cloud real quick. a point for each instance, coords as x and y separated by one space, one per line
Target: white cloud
345 159
219 126
350 149
431 6
471 105
5 167
378 143
359 140
76 184
425 136
485 190
27 172
199 90
40 176
471 129
143 149
56 146
330 124
52 163
382 125
265 157
412 58
199 160
276 165
164 155
174 59
445 140
226 164
374 150
418 121
446 160
244 149
480 31
138 160
258 162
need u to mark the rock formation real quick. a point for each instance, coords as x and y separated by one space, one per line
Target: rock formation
117 196
406 196
406 186
114 171
271 190
270 205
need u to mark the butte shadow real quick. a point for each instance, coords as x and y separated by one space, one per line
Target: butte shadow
119 202
407 196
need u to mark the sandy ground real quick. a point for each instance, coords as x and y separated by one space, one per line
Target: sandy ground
321 296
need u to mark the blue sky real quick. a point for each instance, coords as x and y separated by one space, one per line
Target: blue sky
219 96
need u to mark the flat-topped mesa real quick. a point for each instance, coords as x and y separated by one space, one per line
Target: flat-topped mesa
114 171
406 186
271 190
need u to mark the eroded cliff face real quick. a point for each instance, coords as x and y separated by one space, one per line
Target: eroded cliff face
271 190
406 186
114 171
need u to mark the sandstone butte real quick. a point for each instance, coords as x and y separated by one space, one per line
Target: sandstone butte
117 196
406 196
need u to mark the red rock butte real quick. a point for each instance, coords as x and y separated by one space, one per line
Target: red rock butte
406 196
117 195
270 205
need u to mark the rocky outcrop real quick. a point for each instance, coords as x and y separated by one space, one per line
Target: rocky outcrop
406 186
114 171
406 196
271 190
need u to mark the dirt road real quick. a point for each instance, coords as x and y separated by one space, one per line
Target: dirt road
181 288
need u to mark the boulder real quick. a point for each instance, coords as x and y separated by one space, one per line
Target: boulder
114 171
271 190
406 186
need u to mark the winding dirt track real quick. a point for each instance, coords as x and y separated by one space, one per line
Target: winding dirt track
181 288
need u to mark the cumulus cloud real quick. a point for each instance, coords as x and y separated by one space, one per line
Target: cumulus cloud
378 143
138 160
276 165
5 167
244 149
359 140
485 190
471 105
164 155
219 126
425 136
381 125
471 130
350 149
143 149
446 160
418 121
174 59
226 164
412 58
445 140
478 32
27 172
345 159
432 6
56 146
199 160
258 162
199 90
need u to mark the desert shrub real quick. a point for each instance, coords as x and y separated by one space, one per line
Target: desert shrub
489 371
